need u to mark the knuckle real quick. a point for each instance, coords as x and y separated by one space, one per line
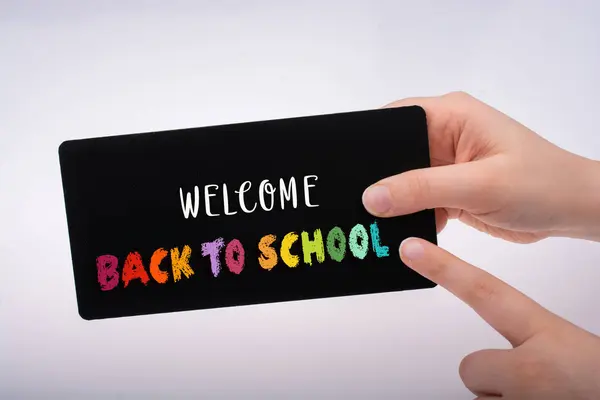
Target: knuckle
400 103
437 270
483 289
393 104
418 187
458 95
453 124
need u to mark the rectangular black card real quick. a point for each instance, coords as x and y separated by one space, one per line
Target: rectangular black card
240 214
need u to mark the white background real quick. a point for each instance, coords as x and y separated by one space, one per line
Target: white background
94 68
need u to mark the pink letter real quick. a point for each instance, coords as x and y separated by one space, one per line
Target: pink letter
108 276
235 264
213 249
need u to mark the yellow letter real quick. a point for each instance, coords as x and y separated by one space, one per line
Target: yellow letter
181 263
286 244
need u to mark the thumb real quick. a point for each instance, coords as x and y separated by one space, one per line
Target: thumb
464 186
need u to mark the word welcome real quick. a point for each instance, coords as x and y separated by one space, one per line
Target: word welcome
266 197
335 245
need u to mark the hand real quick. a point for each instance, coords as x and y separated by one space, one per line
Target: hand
550 359
494 174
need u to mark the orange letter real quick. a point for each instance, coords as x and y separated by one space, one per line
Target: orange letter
158 275
268 258
134 269
181 263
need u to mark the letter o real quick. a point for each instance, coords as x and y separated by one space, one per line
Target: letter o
336 244
359 250
266 186
234 256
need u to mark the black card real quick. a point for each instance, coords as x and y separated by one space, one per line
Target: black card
240 214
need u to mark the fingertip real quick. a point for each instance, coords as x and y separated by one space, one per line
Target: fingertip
411 250
377 199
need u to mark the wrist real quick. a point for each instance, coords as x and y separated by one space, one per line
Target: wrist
582 210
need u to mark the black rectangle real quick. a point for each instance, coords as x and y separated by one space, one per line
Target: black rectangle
125 198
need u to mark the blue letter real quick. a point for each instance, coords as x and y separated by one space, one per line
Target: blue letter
381 251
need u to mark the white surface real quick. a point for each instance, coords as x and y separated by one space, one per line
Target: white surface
81 69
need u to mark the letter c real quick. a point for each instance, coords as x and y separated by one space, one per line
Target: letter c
286 244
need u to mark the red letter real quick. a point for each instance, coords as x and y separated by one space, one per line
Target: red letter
134 269
108 276
235 264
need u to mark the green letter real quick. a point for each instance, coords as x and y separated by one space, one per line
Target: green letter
359 250
336 235
313 246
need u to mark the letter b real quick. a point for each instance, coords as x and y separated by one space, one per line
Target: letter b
108 276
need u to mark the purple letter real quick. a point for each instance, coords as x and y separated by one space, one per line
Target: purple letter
213 249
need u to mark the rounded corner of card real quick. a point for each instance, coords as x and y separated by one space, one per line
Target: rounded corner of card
431 285
420 110
84 315
63 147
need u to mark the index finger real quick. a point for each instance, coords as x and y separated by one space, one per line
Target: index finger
511 313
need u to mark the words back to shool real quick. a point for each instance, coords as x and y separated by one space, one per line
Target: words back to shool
166 266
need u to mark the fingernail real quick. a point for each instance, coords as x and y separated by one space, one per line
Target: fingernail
411 249
377 199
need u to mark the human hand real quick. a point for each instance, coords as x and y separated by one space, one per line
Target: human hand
550 359
494 174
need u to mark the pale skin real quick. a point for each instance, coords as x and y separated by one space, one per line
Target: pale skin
501 178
